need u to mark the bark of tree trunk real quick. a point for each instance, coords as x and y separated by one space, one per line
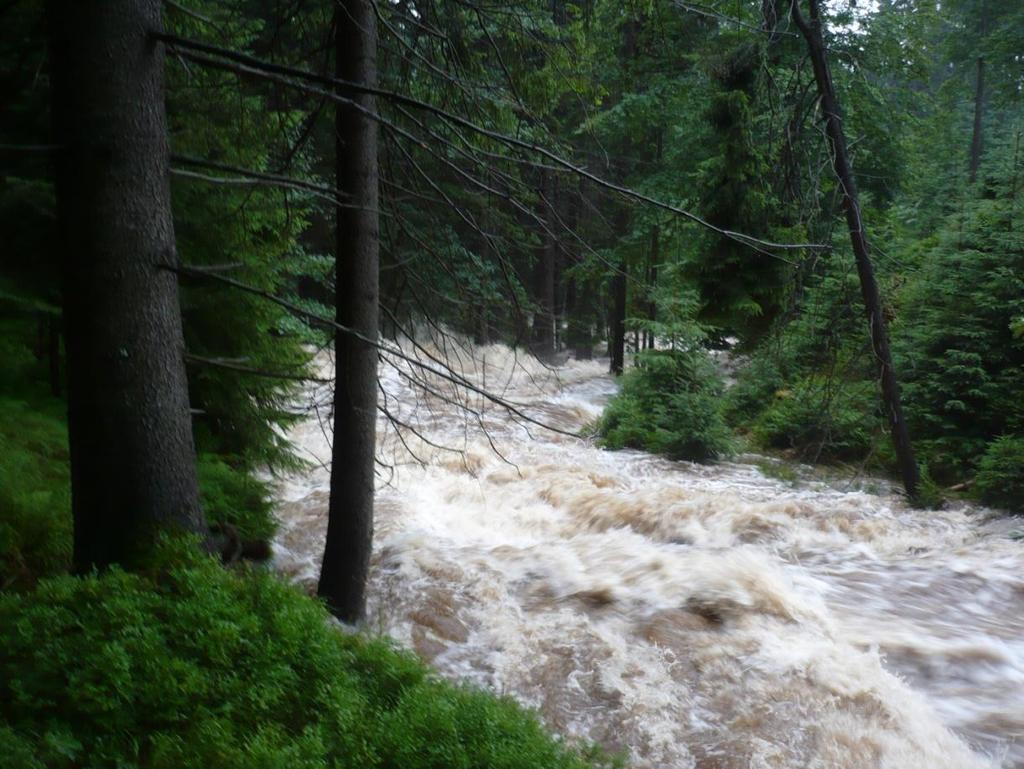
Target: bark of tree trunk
130 434
617 345
544 320
652 274
811 30
977 135
53 354
350 514
617 342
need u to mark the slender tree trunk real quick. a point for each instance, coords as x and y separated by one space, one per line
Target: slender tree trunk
479 314
652 277
617 345
1013 179
617 316
350 515
130 434
544 320
579 311
811 30
977 135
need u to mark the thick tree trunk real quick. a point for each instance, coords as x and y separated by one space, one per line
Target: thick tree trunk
350 516
130 435
811 30
977 135
53 354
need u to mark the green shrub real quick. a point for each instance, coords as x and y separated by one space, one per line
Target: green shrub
820 423
1000 480
193 665
930 495
755 388
232 494
960 361
670 404
35 493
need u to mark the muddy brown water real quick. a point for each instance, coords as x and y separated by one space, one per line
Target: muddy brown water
704 617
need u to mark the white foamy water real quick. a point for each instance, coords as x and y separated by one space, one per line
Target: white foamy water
697 616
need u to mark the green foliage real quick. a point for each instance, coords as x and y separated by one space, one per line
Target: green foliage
1000 480
759 380
930 495
809 387
231 494
257 231
961 362
669 404
780 470
741 288
820 421
239 406
35 492
194 666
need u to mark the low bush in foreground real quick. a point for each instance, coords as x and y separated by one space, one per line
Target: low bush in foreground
1000 480
669 404
195 666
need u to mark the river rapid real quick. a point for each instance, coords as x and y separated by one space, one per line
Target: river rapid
698 617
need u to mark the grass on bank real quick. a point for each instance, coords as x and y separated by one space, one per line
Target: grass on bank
35 493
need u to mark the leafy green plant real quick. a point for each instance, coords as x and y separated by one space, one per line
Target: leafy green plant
821 422
1000 480
233 495
930 495
35 493
960 360
780 471
190 665
753 390
669 404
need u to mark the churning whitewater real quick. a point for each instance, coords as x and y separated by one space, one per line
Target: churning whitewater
705 617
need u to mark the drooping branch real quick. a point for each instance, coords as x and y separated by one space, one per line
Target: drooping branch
249 177
384 347
244 64
238 366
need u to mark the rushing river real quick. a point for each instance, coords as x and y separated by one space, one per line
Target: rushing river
697 616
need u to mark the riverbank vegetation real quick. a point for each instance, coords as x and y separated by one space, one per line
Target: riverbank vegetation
186 664
939 160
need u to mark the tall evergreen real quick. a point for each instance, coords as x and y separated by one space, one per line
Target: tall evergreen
346 560
132 454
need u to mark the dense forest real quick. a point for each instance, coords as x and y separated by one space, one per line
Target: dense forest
788 231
